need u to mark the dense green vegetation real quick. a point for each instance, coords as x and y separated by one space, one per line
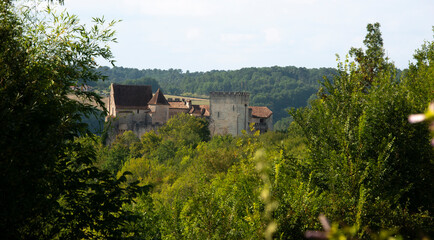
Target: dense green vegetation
278 88
351 155
50 188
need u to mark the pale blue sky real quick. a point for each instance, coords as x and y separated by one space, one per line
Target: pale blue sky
231 34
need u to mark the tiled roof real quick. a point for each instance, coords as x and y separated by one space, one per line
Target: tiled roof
178 105
132 96
206 107
199 110
261 112
158 99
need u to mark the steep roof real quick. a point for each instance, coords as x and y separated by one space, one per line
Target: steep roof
132 96
158 99
261 112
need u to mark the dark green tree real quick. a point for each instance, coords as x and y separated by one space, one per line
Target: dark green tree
120 150
50 188
363 152
372 61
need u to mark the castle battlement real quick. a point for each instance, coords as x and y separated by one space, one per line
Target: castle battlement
216 94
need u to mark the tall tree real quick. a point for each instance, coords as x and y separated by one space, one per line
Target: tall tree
372 61
49 187
361 144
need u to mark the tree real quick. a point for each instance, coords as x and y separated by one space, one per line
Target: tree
49 187
120 150
185 130
361 144
371 62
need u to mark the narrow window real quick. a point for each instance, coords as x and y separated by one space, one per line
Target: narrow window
137 110
233 108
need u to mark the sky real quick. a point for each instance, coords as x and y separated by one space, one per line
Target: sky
203 35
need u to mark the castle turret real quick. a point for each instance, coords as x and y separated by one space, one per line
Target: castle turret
159 108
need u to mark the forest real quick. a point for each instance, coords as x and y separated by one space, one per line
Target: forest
355 163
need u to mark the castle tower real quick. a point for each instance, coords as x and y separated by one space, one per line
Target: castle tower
229 112
159 108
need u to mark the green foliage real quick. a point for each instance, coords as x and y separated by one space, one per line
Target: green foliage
50 188
218 155
283 124
144 225
123 147
352 154
142 81
185 130
361 144
372 62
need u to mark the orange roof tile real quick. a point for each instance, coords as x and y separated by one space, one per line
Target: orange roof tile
206 107
178 105
261 112
199 110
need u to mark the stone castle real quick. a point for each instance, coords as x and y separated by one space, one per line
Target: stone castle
134 108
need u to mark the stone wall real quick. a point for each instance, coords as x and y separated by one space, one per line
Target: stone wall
139 124
160 113
111 103
262 124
